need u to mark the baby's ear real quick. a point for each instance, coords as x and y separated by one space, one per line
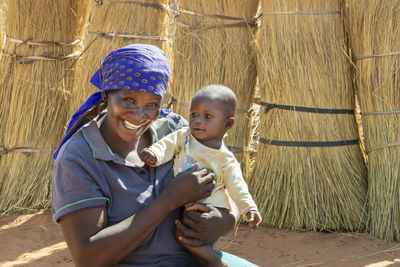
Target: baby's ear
229 122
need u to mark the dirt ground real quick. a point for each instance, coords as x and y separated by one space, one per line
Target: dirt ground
35 240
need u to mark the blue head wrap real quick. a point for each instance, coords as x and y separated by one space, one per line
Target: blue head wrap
139 67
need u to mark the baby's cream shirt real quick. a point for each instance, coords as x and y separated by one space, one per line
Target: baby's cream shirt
187 150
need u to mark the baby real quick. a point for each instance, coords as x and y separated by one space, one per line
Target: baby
212 114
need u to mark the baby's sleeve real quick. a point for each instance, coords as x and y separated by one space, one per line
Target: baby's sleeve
168 146
237 188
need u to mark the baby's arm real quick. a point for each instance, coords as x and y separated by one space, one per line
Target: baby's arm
164 150
239 192
148 157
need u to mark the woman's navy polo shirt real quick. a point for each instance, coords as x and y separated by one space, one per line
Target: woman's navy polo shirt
87 174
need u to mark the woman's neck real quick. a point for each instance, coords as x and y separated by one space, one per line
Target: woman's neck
119 147
123 150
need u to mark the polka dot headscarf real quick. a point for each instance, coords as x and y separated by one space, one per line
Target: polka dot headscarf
137 67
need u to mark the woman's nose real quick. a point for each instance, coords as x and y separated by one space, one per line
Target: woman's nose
138 112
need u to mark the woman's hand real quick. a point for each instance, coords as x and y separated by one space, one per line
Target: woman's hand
190 185
203 224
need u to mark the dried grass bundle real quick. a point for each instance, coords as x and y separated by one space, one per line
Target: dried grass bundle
212 44
374 39
39 48
1 23
302 62
115 24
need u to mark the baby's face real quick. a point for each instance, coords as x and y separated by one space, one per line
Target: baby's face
207 119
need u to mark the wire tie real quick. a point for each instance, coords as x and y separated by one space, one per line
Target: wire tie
110 35
302 12
377 55
28 41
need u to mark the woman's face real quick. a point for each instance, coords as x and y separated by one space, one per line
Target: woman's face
130 112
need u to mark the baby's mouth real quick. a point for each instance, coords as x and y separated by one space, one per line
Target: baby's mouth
196 129
133 127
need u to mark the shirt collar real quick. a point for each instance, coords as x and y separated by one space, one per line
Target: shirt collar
99 147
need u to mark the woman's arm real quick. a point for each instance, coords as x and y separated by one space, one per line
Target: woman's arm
204 224
93 243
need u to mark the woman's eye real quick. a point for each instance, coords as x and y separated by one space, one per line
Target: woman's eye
130 100
152 105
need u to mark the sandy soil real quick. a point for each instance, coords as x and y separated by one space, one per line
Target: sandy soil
35 240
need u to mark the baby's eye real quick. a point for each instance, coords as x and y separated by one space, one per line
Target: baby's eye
208 116
193 114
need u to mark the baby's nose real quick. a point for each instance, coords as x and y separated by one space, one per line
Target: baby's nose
198 120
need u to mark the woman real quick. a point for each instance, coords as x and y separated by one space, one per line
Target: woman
112 209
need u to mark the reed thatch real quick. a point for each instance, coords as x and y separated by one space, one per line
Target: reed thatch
40 46
302 62
114 24
1 23
212 44
374 38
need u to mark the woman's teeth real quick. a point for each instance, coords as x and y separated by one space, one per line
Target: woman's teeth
131 126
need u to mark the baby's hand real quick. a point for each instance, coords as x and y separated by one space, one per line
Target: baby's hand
254 218
148 157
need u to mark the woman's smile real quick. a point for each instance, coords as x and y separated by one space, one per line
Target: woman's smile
133 127
130 130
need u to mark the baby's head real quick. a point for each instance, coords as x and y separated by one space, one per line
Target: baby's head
212 114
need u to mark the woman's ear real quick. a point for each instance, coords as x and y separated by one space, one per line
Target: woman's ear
104 95
229 122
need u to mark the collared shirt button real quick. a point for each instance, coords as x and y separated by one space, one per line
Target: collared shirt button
142 172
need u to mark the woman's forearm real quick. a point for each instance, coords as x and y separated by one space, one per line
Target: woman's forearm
133 231
109 245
